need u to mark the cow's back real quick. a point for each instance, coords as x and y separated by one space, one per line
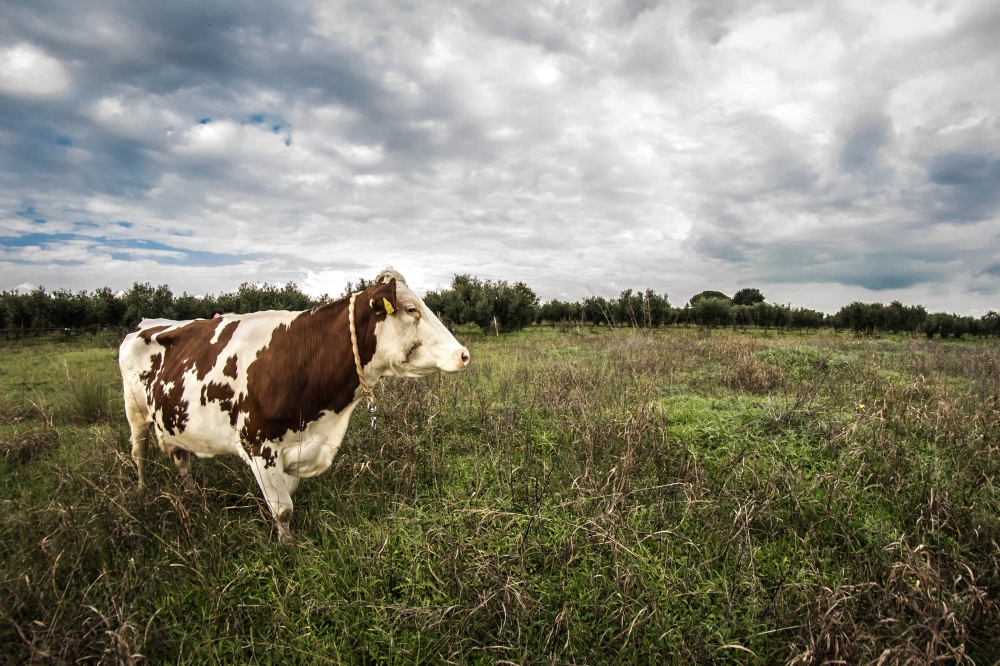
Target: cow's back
187 376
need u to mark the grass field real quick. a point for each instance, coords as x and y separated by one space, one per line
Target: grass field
641 498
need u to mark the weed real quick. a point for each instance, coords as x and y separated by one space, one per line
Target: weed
89 397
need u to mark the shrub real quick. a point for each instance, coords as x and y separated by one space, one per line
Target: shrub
752 375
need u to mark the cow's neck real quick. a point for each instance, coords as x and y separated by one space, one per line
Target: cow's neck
334 319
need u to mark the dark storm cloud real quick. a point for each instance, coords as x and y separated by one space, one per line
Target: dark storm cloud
966 187
861 153
876 271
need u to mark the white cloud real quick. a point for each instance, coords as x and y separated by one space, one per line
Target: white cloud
26 70
906 20
211 139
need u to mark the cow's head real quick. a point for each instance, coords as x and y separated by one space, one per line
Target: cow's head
411 341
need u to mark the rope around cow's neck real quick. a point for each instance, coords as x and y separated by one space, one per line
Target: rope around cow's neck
365 388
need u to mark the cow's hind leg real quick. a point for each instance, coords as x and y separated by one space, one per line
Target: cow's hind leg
271 478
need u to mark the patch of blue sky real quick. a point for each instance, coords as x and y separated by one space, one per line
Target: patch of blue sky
34 240
125 225
204 121
63 140
29 213
257 118
30 262
120 249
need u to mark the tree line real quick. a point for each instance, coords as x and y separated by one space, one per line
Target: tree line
103 308
494 306
500 307
708 309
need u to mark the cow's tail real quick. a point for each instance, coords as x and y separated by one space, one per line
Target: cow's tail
137 413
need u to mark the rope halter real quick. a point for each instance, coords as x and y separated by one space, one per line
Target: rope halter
365 388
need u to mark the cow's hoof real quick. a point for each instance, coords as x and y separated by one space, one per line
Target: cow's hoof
284 522
190 486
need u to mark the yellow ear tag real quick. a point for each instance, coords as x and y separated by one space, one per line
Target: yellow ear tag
388 306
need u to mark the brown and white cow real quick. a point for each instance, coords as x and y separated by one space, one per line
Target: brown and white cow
276 388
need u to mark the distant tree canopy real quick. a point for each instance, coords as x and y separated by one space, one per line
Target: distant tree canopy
711 312
498 306
718 295
872 317
355 287
748 296
636 309
490 305
556 311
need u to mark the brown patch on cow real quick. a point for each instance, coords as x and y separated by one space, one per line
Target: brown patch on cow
220 393
148 376
148 333
230 369
192 346
307 368
234 415
184 348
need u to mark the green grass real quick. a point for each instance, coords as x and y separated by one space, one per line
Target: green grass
572 498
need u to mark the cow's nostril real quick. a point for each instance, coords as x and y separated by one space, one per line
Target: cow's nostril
465 358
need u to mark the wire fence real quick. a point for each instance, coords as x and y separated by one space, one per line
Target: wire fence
65 333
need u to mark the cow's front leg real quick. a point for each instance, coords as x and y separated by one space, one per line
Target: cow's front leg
271 478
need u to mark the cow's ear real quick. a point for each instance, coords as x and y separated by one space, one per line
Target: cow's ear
383 300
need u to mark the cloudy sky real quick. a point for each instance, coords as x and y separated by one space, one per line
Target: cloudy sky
823 152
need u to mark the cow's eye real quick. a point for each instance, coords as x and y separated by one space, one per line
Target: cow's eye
412 310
